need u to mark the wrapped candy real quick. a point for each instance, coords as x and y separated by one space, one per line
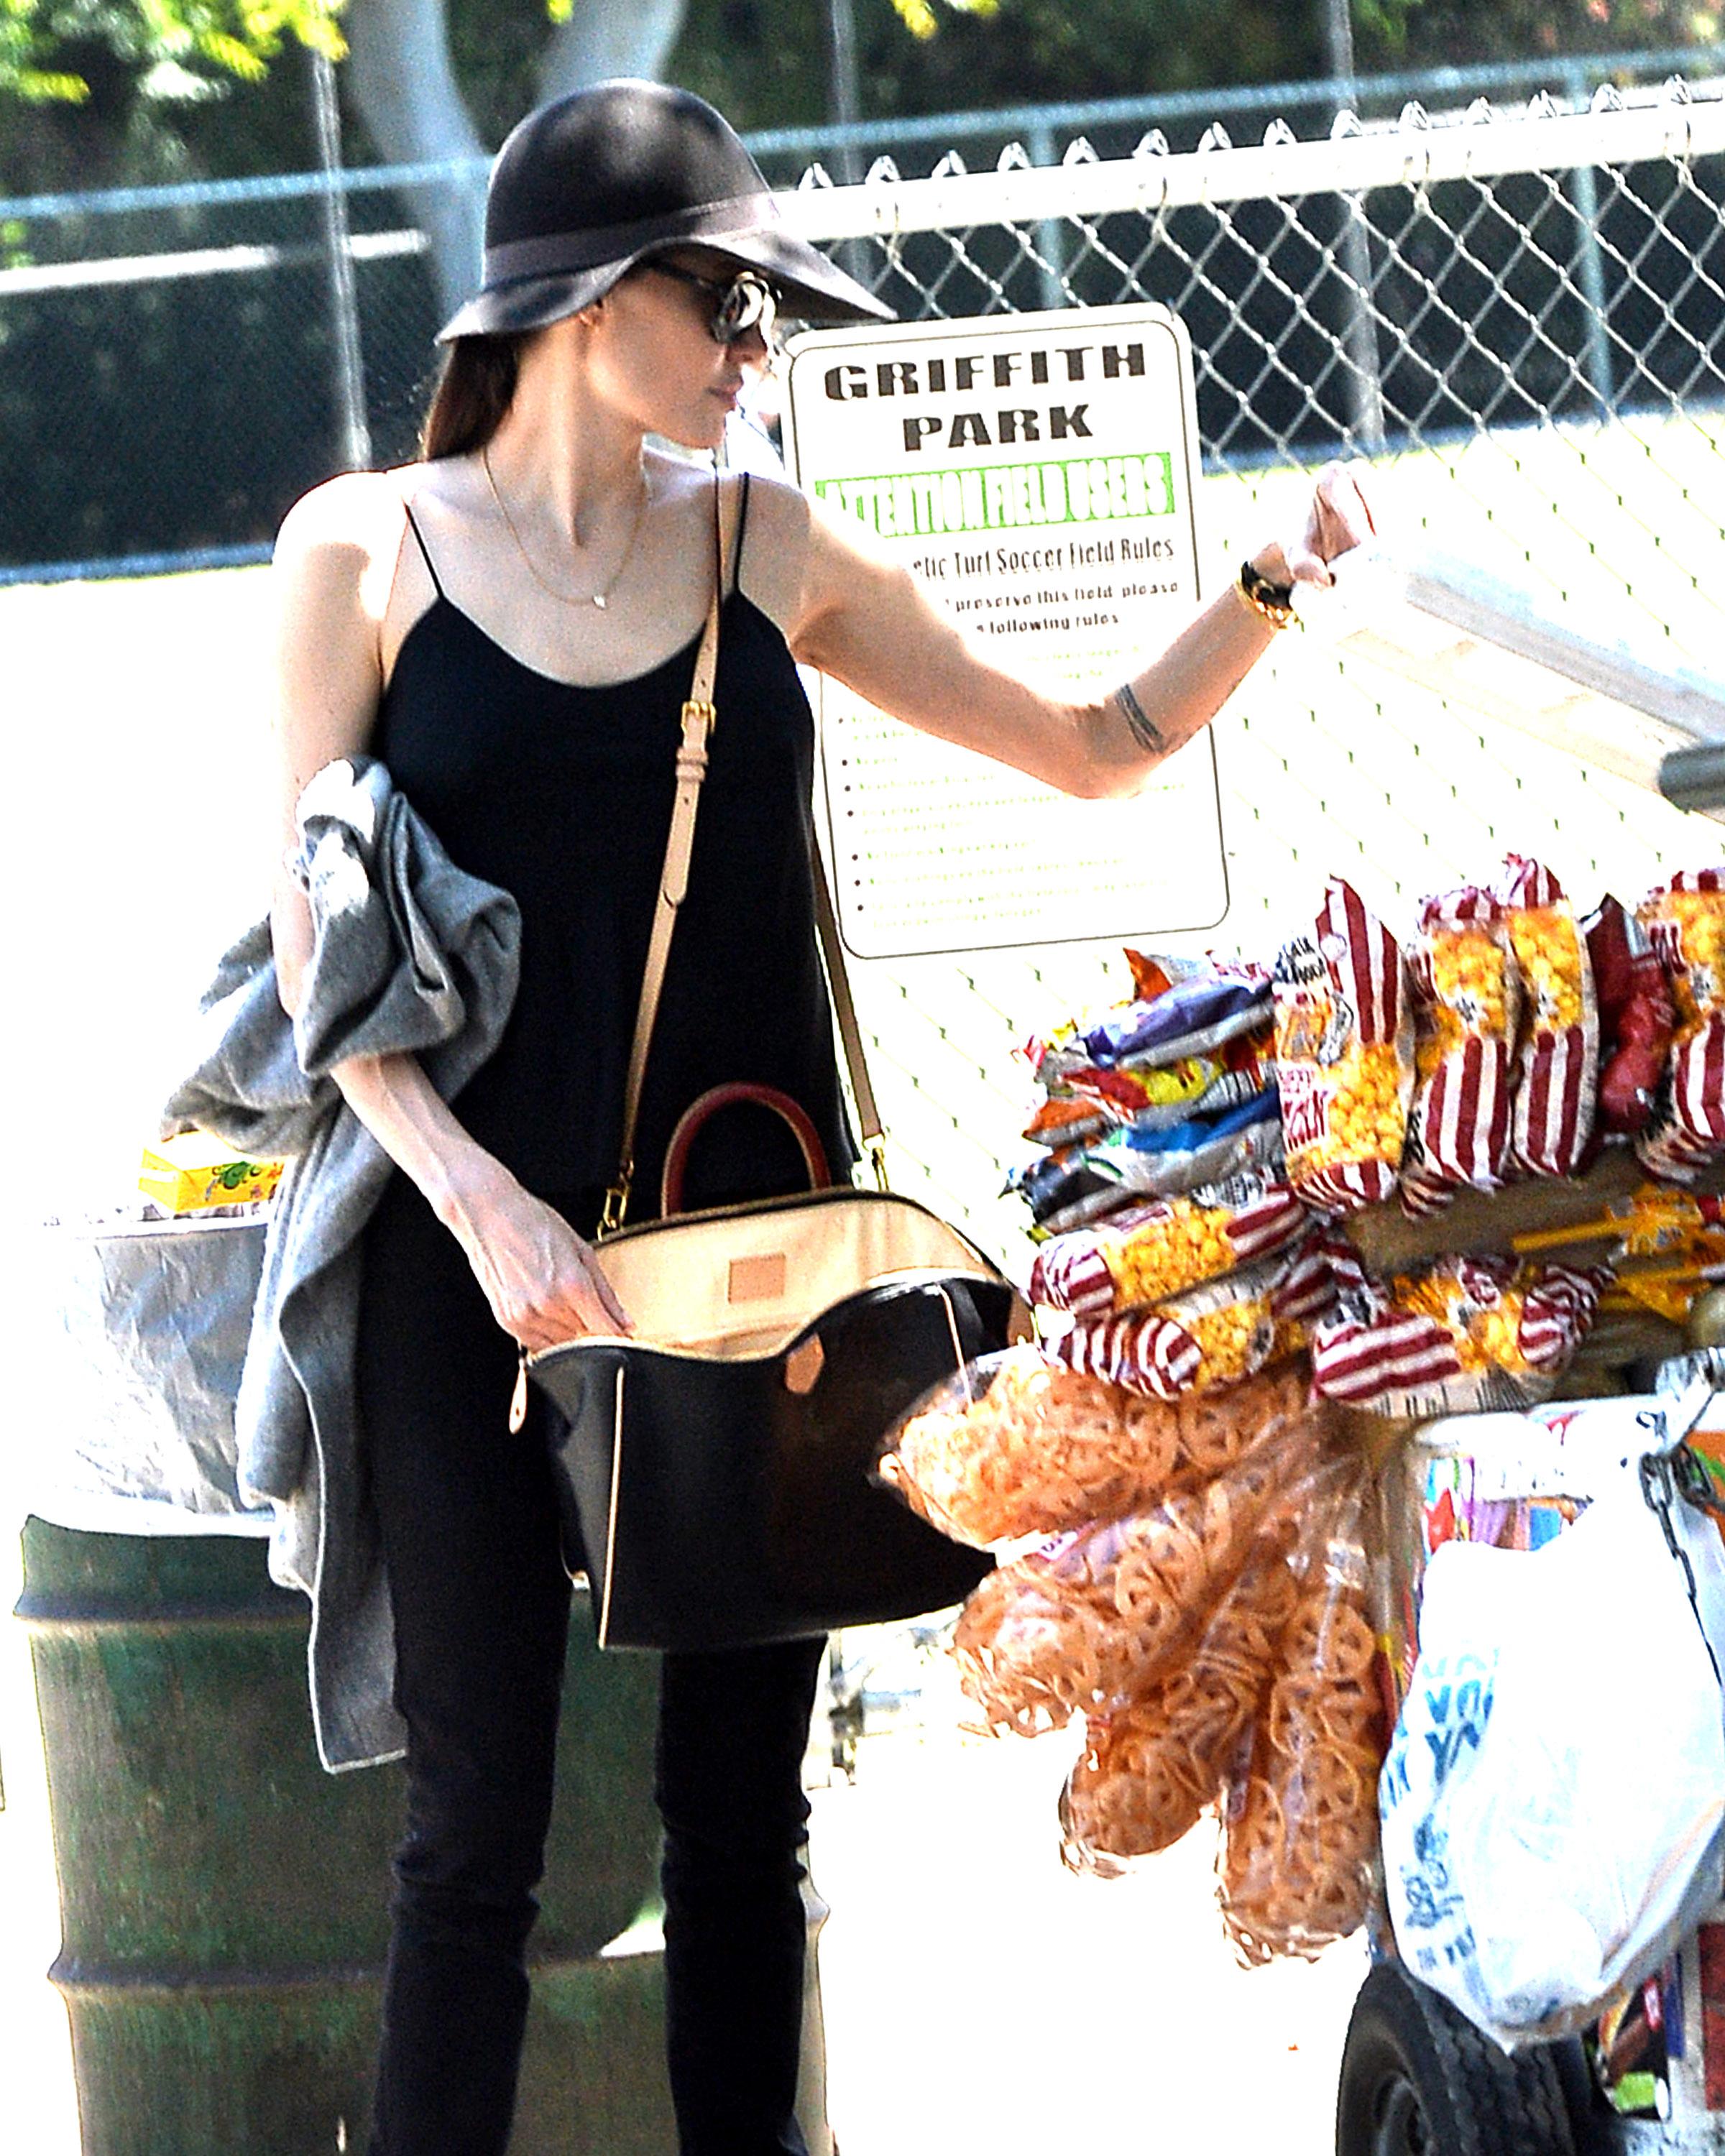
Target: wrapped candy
1300 1828
1685 921
1085 1624
1149 1252
1019 1445
1467 1002
1557 1057
1344 1049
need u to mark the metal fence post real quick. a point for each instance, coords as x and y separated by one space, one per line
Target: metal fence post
1051 234
347 369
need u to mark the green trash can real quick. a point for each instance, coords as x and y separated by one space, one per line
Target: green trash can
224 1901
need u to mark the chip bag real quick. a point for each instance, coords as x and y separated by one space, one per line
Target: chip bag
1636 1018
1019 1445
1211 1336
1466 1007
1685 921
1466 1333
1147 1252
1087 1623
1344 1050
1300 1828
1557 1055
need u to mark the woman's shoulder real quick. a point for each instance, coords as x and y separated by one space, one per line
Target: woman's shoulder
351 506
343 539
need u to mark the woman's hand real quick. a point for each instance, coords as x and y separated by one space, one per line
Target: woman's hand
542 1282
1338 519
541 1279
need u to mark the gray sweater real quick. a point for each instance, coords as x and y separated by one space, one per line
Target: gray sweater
410 955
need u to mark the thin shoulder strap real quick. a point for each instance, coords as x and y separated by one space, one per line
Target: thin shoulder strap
699 718
424 551
699 721
733 577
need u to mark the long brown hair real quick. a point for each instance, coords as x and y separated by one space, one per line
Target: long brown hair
474 391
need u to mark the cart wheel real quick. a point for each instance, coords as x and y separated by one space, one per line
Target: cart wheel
1418 2080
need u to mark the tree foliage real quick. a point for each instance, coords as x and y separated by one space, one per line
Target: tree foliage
189 45
170 87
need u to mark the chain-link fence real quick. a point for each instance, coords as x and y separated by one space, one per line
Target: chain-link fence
177 363
1516 317
1518 320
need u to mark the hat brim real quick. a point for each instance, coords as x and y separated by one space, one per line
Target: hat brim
812 288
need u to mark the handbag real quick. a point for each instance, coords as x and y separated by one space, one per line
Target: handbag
716 1465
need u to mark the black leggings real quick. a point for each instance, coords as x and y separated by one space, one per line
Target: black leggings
481 1605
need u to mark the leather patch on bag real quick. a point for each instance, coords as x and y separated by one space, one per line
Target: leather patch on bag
804 1365
757 1279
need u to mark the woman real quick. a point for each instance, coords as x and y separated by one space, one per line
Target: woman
510 626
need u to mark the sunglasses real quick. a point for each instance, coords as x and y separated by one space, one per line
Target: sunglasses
741 303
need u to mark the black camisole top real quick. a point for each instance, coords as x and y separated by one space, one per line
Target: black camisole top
562 794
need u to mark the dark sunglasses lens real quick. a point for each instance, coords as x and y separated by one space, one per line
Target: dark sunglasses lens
748 303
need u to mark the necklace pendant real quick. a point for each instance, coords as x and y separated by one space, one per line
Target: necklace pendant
598 600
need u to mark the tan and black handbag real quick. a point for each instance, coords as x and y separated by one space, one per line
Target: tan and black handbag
716 1464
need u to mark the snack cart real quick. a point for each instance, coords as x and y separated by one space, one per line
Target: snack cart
1416 2075
1287 1214
1650 2074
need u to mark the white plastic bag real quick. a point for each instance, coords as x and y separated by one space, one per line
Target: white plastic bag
1553 1800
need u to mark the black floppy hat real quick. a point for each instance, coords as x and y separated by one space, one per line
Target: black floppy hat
590 186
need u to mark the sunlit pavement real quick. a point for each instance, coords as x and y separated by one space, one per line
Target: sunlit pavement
978 1997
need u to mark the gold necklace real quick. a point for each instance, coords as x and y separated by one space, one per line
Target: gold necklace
585 598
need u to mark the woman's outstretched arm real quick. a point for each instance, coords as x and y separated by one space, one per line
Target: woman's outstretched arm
866 621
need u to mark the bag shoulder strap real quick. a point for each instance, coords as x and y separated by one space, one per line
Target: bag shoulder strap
699 719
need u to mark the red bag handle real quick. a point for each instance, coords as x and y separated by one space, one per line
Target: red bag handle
695 1115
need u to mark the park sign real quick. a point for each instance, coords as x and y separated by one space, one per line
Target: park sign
1035 471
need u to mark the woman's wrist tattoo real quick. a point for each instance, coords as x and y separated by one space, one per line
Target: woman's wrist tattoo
1145 731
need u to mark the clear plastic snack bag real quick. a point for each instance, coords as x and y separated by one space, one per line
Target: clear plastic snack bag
1147 1774
1300 1828
1085 1624
1019 1445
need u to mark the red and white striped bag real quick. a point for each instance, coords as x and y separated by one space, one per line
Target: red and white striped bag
1470 1333
1213 1336
1557 1061
1466 1004
1149 1252
1685 921
1344 1053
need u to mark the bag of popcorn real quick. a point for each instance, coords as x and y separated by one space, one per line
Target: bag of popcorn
1344 1051
1557 1062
